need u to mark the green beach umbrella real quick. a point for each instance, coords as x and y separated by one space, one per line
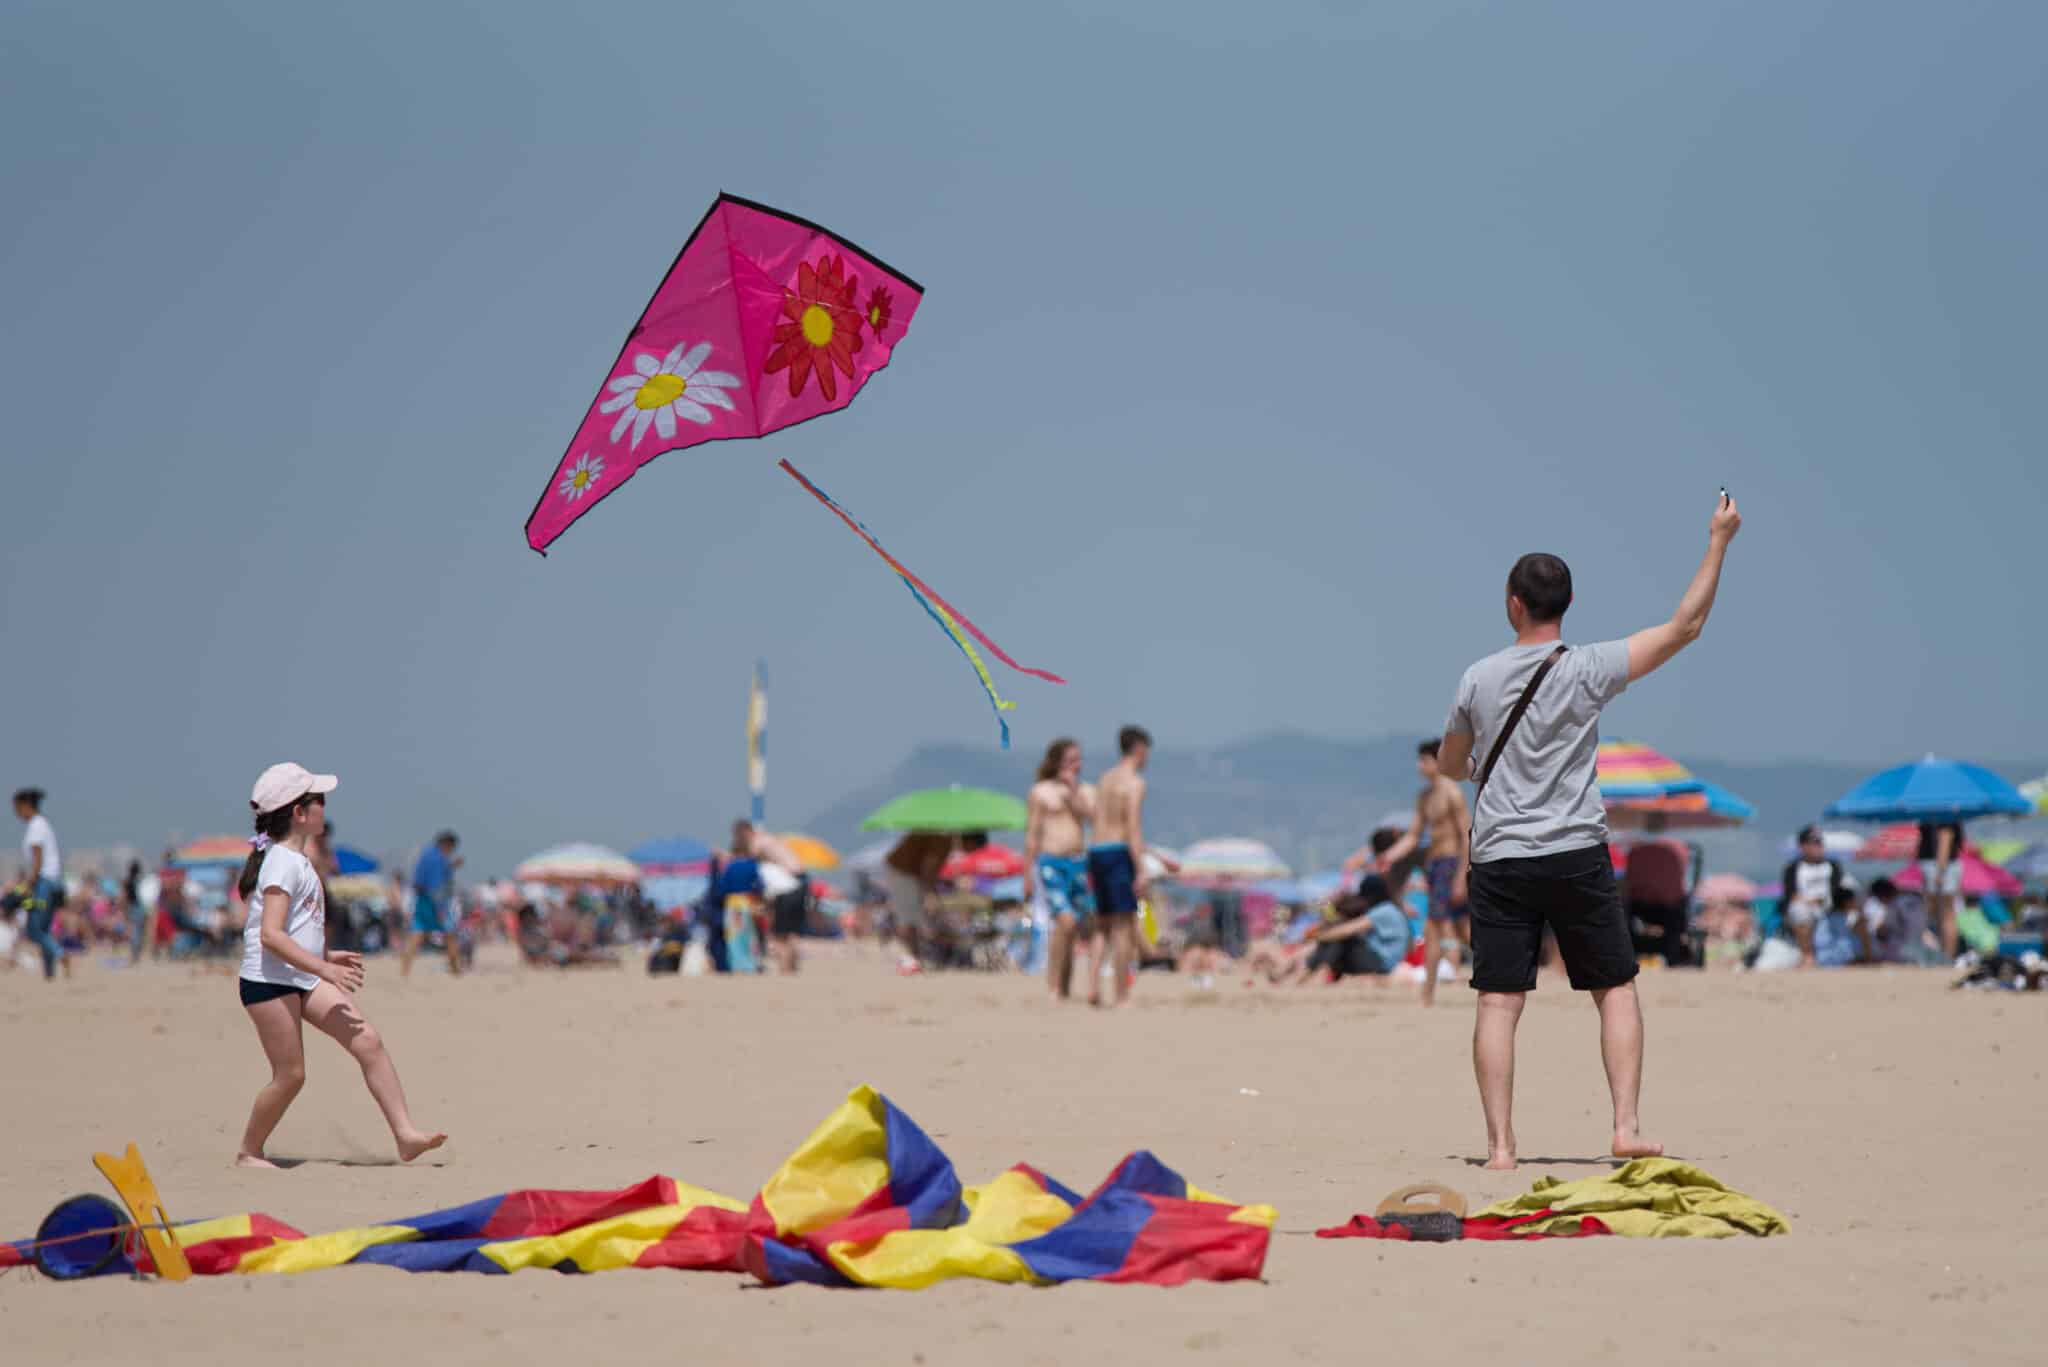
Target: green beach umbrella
949 809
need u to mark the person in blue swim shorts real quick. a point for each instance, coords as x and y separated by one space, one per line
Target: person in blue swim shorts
1055 869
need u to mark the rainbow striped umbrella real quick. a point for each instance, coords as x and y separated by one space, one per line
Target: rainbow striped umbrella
1629 770
1712 806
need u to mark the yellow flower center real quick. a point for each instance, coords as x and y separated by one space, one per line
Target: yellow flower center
874 315
660 389
581 479
817 326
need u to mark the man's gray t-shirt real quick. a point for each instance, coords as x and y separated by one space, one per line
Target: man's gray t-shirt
1543 797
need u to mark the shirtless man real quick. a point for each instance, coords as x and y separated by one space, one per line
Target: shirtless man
1055 863
1116 861
1440 814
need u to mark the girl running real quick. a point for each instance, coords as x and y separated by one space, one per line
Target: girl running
288 975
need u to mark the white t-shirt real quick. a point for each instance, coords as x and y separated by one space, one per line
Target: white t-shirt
39 833
306 922
776 881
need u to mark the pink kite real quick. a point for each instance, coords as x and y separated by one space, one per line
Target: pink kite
765 320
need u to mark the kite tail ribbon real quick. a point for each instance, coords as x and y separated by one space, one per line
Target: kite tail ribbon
919 585
959 638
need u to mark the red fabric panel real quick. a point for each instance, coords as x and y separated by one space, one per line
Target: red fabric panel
706 1240
532 1214
1491 1227
862 1229
1185 1240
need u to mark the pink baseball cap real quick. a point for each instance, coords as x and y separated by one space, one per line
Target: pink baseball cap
283 784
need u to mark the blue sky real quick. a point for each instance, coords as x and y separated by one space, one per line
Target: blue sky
1258 341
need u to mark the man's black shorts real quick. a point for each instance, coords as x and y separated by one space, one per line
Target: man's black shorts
788 913
1574 893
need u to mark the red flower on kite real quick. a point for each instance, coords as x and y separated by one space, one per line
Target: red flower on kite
819 329
881 304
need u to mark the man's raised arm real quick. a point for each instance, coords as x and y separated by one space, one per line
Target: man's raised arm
1650 649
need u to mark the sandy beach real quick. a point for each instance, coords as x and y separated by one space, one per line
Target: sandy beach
1892 1120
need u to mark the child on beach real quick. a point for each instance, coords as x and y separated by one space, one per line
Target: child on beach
288 974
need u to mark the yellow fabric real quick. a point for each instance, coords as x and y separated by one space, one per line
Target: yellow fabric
206 1231
843 1163
910 1259
323 1250
1008 1210
1647 1198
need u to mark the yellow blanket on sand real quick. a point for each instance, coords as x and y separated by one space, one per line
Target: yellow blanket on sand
1647 1198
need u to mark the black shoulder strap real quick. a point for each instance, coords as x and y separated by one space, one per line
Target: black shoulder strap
1514 719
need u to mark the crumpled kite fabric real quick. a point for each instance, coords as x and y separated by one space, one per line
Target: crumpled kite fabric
1646 1198
868 1200
764 320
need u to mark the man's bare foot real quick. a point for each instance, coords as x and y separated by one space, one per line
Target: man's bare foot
409 1149
1501 1160
253 1160
1635 1146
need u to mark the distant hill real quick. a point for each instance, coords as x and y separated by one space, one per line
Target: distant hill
1314 799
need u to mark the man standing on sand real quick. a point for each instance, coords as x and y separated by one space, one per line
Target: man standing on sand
1539 839
910 873
1116 861
1440 816
433 898
1055 863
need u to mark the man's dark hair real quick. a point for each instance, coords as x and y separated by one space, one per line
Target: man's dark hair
1544 584
1130 738
1429 747
1384 840
1373 890
448 838
1884 889
32 798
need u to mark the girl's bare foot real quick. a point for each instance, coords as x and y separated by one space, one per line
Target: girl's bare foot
413 1147
1628 1144
253 1160
1501 1160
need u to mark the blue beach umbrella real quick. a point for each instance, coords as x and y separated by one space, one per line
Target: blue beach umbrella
1929 790
669 852
670 891
349 861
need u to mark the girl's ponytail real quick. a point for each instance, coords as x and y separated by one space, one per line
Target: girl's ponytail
270 828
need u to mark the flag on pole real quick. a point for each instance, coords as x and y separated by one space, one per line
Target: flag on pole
757 741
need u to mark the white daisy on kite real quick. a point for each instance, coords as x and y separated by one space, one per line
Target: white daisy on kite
659 392
579 478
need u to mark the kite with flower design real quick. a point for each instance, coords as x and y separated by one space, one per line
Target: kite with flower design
764 320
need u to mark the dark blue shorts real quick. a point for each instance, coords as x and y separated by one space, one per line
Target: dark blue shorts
1113 878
